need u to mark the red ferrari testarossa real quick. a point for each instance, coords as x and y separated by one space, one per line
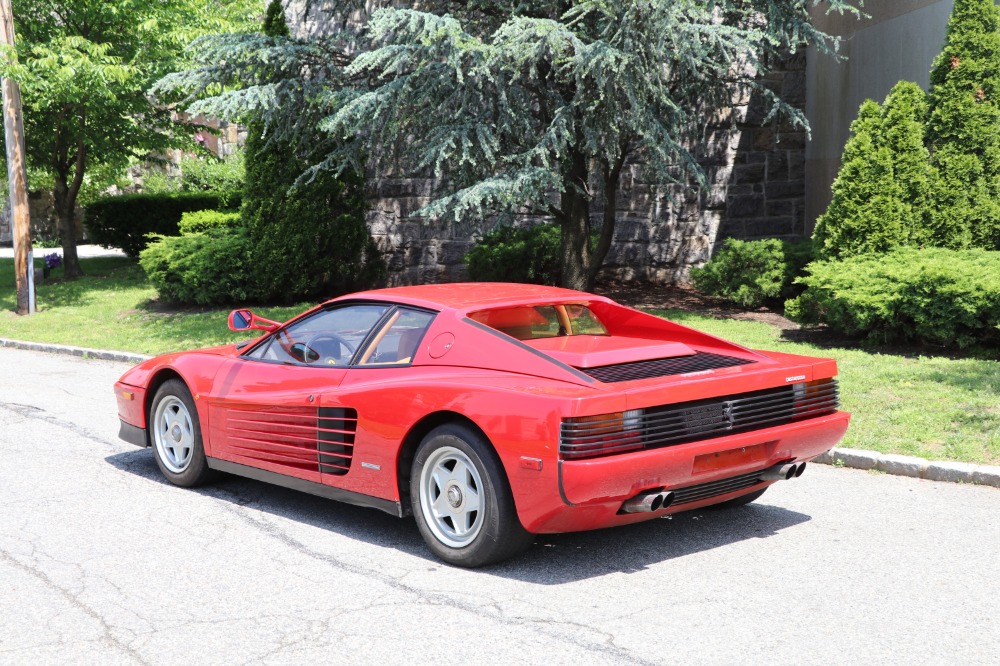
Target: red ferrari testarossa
491 412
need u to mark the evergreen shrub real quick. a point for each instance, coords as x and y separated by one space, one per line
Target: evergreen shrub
203 268
883 194
308 235
203 220
963 127
127 221
752 273
934 295
511 254
308 240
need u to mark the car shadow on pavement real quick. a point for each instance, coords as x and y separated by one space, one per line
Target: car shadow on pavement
554 559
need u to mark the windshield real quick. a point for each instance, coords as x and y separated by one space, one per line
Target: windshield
542 321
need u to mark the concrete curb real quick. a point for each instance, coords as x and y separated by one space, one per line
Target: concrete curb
82 352
918 468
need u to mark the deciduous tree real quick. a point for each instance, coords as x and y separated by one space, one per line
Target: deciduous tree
84 67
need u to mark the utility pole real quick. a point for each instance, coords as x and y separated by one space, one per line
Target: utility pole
17 177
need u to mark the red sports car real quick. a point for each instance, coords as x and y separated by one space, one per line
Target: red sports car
491 412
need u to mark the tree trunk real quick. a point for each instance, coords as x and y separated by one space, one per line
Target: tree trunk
574 221
611 178
65 203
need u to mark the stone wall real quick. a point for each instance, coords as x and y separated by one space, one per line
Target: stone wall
755 190
41 209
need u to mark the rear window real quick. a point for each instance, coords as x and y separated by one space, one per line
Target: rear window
542 321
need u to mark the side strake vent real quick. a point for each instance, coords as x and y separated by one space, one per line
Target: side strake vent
678 423
335 439
662 367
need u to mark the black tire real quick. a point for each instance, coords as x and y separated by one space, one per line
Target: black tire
175 436
462 501
742 500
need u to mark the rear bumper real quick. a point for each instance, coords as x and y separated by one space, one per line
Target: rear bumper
591 492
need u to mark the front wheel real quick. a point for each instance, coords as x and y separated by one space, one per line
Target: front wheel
176 435
461 499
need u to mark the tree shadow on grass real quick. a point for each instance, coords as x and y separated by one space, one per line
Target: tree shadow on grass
824 338
554 559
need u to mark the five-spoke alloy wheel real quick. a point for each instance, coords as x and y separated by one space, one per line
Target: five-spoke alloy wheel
176 435
462 501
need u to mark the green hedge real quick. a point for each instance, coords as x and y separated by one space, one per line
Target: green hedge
937 296
203 220
510 254
127 221
752 273
206 268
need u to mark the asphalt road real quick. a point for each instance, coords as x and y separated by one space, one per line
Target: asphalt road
103 562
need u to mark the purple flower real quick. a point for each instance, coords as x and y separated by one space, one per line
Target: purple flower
53 260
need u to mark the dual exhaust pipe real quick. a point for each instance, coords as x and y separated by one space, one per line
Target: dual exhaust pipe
654 500
783 472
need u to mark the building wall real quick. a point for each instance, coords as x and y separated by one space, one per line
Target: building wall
898 41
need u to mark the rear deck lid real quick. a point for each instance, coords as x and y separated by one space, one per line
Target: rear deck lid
593 351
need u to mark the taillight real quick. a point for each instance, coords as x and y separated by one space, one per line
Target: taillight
601 434
815 397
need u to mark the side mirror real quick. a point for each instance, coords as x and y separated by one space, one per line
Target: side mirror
246 320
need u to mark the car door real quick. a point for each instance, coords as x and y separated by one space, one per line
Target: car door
368 416
273 407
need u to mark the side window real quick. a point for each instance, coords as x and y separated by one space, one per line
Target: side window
329 337
398 340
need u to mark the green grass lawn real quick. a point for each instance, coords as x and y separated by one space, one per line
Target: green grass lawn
934 407
112 307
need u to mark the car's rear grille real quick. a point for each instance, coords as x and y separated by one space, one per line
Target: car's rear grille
336 428
704 491
679 423
662 367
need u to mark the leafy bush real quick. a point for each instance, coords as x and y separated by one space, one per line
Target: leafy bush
205 268
203 220
511 254
939 296
222 176
883 194
126 221
750 273
201 173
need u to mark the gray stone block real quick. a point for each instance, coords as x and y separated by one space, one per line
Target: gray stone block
751 205
987 475
953 472
902 465
769 227
824 458
856 458
748 173
786 190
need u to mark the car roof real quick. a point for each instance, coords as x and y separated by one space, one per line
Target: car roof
467 296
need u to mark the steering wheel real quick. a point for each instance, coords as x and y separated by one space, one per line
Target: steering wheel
319 347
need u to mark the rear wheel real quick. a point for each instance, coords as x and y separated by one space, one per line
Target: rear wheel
461 499
176 435
738 501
